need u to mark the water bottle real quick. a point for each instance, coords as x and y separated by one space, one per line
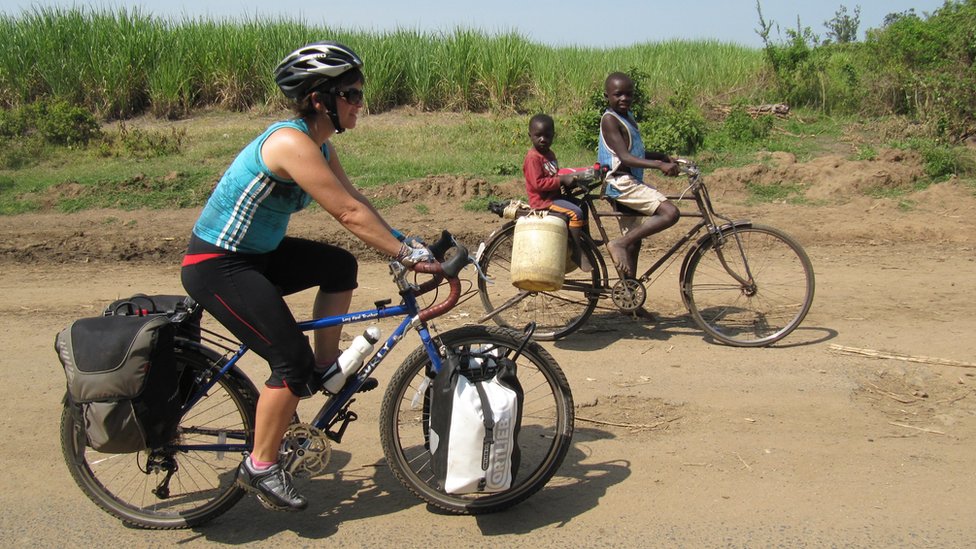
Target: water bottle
350 359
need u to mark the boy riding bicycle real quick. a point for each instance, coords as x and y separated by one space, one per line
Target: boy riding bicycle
622 148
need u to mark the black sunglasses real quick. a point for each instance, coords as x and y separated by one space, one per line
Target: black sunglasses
354 96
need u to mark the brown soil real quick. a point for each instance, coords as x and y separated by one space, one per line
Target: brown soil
679 442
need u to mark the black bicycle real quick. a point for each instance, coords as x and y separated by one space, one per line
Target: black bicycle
191 478
745 284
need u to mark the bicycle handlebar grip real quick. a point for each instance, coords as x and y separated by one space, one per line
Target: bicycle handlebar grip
437 310
442 245
450 268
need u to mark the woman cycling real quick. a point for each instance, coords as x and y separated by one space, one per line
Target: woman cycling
239 263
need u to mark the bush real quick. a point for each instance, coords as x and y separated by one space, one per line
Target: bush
675 127
142 144
21 152
738 130
929 67
914 66
941 161
585 124
60 123
13 122
739 125
27 131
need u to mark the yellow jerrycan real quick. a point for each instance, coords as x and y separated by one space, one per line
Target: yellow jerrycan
539 252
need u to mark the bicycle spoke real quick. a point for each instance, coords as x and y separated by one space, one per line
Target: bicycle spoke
546 423
774 302
198 485
556 313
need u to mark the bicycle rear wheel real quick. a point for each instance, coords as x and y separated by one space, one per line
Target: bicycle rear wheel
557 313
201 485
773 302
545 436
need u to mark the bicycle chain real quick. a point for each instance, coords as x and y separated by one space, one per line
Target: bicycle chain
628 294
305 450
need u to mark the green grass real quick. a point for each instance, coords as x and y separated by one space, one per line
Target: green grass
382 150
760 193
125 62
71 179
478 204
805 134
969 183
866 152
394 149
899 192
465 144
382 203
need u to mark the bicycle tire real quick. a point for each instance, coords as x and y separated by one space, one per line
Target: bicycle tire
203 485
755 316
545 436
557 313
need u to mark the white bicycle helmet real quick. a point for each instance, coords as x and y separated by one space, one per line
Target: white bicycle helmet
311 66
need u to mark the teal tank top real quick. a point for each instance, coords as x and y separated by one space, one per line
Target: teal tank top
249 210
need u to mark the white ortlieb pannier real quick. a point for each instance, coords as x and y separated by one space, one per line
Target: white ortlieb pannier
475 417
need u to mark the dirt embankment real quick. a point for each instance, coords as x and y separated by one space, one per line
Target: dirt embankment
832 200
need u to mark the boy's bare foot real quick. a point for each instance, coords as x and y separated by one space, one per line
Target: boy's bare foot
618 254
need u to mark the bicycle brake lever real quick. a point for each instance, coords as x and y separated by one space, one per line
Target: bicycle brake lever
477 266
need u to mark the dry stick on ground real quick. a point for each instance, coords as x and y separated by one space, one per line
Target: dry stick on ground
923 429
897 356
904 399
780 110
742 460
951 400
642 426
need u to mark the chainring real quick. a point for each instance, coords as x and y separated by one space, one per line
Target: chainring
628 294
305 450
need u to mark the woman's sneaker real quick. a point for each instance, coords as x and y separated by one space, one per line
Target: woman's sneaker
272 486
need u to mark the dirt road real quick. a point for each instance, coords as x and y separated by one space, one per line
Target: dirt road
794 445
679 442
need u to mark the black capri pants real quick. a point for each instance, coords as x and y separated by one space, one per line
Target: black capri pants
245 293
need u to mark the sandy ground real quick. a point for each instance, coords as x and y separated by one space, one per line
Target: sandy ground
679 442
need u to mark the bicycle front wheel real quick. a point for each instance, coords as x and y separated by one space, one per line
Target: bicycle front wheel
556 313
770 301
545 436
175 486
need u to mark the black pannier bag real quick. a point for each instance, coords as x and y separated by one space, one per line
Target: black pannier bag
475 408
177 307
122 377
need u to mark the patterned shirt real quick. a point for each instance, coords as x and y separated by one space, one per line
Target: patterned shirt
250 208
